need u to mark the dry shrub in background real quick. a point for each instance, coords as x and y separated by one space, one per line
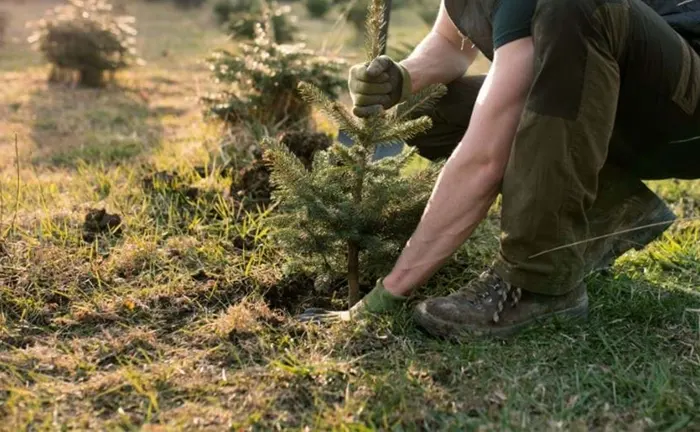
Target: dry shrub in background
85 37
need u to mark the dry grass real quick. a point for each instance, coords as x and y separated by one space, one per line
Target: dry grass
183 320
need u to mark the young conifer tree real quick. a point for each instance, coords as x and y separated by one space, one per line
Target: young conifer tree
351 215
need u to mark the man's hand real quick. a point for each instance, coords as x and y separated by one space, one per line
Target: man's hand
378 85
378 301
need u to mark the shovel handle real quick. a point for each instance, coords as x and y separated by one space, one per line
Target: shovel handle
385 27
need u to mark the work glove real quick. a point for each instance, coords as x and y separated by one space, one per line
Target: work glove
381 84
378 301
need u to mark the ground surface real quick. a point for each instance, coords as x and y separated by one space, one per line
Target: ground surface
180 322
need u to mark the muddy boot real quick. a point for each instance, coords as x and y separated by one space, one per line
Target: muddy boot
490 306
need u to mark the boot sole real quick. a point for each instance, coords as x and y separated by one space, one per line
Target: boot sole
445 329
640 239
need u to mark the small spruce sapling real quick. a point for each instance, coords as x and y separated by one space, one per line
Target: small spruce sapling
350 213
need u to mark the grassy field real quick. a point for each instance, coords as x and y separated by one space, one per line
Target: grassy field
184 321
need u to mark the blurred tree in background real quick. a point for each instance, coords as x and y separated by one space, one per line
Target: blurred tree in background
318 8
87 38
183 4
283 22
257 84
239 18
223 9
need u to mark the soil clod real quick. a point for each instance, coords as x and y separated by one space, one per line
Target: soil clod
98 221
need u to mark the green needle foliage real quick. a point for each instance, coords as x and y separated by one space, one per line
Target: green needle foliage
349 215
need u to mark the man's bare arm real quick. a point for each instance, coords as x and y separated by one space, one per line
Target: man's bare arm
441 57
471 179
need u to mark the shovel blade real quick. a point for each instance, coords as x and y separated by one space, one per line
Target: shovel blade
382 151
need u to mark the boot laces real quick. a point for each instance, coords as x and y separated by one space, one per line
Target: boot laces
497 289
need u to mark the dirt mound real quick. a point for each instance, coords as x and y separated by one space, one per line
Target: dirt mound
305 144
251 184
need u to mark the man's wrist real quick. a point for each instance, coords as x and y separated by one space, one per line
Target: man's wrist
410 69
378 301
406 83
392 285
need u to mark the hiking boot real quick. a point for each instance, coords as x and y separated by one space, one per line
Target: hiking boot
490 306
644 209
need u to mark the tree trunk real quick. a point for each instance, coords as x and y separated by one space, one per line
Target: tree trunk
91 77
353 274
353 249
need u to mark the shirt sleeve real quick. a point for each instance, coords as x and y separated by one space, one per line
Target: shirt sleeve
512 20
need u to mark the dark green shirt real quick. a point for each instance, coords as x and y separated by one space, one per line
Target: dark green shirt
512 20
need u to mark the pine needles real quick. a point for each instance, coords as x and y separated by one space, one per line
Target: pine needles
375 20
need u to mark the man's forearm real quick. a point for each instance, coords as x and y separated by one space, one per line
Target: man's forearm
461 199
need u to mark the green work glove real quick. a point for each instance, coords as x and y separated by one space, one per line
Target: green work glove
378 301
381 84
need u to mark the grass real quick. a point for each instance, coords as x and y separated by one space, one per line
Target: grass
184 321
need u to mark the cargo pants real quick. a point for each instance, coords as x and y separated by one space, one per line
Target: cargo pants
614 101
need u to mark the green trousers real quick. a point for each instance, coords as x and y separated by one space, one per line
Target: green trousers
614 101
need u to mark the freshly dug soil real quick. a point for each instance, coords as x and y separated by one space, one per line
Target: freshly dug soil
251 184
296 293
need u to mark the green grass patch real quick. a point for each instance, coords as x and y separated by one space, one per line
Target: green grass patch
99 152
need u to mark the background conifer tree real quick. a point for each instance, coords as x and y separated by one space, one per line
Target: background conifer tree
350 215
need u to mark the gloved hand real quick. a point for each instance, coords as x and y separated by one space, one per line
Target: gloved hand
377 301
382 83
